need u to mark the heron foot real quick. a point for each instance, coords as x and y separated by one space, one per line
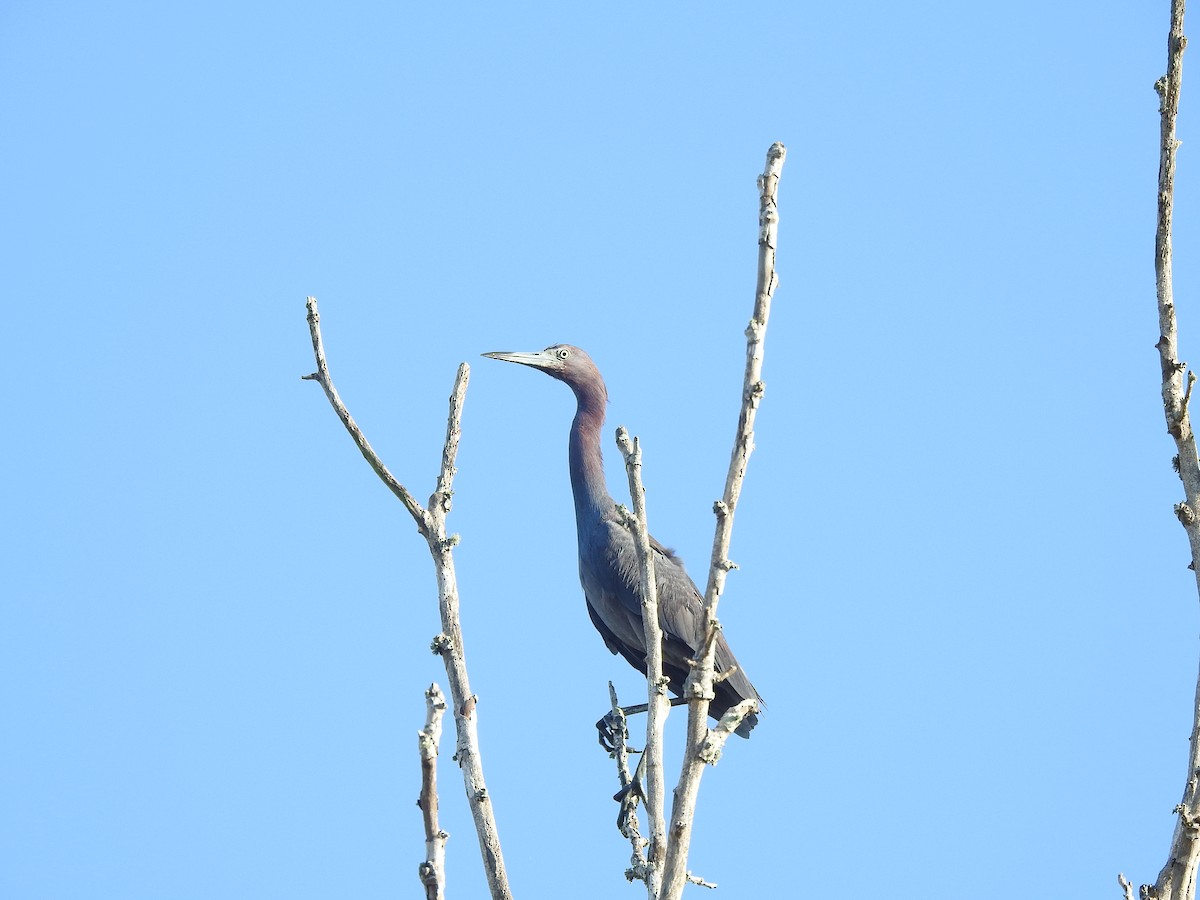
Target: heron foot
609 736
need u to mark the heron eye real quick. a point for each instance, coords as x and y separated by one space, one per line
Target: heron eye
563 353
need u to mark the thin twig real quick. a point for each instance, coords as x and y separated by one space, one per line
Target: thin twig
432 870
449 643
699 686
620 734
656 684
445 483
714 743
627 820
321 376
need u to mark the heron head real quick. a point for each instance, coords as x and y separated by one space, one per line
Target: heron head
565 362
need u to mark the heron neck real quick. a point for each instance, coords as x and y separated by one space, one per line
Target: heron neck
587 465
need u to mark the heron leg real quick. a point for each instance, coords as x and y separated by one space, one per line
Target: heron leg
630 795
607 724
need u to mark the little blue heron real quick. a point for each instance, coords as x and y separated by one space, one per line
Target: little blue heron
608 565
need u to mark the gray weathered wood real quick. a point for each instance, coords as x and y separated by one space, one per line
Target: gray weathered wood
431 523
703 747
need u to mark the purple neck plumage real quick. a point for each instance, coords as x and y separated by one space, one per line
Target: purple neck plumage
587 467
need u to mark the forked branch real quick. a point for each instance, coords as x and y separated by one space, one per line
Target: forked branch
448 643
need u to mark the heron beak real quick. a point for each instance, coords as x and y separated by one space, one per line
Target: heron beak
539 360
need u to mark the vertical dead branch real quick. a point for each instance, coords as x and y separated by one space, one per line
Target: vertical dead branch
656 701
432 870
704 747
627 821
1177 880
448 644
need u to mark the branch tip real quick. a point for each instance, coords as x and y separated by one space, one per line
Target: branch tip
698 687
1177 877
697 880
649 866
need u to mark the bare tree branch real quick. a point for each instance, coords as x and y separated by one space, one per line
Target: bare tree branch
627 819
1177 880
449 643
321 376
699 686
710 751
657 703
432 870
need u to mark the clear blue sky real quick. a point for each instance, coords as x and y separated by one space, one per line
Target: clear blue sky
963 592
